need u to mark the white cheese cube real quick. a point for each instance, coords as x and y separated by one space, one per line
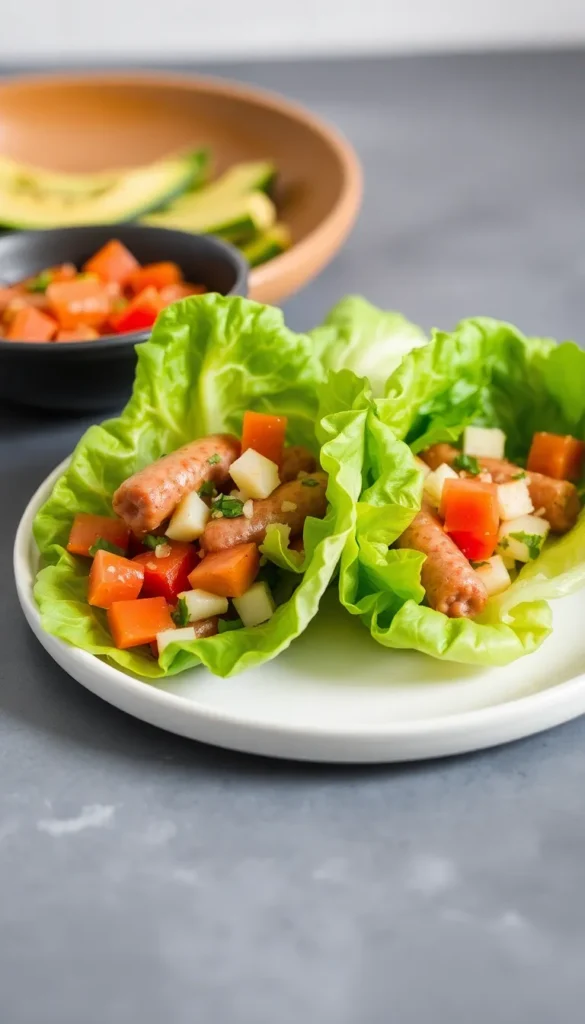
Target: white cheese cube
523 538
425 470
514 500
508 560
189 518
494 575
484 442
256 605
433 485
202 605
174 636
254 474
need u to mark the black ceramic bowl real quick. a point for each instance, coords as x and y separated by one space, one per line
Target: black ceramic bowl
87 376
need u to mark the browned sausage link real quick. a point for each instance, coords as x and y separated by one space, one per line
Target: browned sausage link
295 460
146 499
450 584
559 499
205 627
307 496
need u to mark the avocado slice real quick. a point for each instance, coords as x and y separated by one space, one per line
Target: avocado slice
265 247
237 218
34 198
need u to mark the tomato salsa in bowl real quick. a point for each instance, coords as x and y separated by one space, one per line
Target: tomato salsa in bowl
75 301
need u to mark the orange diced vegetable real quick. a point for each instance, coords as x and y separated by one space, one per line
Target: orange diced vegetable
87 529
139 314
227 573
78 334
79 302
63 272
470 511
558 456
175 292
154 275
30 324
8 295
113 578
168 575
265 434
113 262
137 622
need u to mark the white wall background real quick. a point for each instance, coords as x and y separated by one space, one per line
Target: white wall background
70 30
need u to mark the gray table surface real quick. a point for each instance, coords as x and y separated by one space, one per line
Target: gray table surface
145 878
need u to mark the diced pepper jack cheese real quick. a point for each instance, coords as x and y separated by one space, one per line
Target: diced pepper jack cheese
425 470
201 604
254 475
514 500
433 485
256 605
523 538
189 518
494 575
174 636
484 442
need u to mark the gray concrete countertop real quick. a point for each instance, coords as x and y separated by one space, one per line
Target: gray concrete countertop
145 878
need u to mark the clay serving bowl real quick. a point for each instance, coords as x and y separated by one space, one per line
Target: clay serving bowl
93 122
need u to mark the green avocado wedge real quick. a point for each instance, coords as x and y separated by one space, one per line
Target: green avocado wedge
265 247
32 198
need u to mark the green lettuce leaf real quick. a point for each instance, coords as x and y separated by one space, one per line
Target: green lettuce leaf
209 359
357 336
484 372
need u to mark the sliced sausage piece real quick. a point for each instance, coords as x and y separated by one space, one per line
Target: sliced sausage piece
149 497
296 459
300 498
559 499
451 585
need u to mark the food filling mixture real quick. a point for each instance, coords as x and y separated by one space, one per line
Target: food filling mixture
181 561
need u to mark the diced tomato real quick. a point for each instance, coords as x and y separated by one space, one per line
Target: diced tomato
139 314
87 529
137 622
154 275
175 292
30 324
8 295
79 302
227 573
558 456
63 272
78 334
470 510
113 578
265 434
168 575
113 262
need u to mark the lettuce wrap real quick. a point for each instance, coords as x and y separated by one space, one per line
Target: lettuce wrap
485 372
208 361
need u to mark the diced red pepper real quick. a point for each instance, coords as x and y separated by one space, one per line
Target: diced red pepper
265 434
558 456
139 314
168 575
470 510
475 548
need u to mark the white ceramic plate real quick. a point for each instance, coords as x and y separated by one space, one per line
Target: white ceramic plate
336 695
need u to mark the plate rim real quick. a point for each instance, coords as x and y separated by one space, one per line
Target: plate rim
447 735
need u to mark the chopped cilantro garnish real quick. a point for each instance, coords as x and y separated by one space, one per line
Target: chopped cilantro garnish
207 488
228 625
309 482
533 541
225 507
101 544
180 616
467 463
519 476
478 565
152 542
214 459
40 283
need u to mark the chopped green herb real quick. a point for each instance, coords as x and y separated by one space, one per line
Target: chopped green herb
478 565
180 616
519 476
206 490
214 459
228 625
467 463
101 544
225 507
40 283
152 542
309 482
503 544
533 541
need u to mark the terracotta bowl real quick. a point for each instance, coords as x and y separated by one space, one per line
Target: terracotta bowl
92 122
